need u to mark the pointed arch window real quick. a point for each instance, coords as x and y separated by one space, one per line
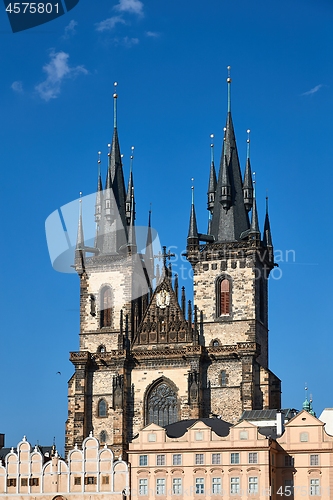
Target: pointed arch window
223 296
103 437
102 411
106 306
162 406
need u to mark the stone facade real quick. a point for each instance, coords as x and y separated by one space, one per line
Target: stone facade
147 355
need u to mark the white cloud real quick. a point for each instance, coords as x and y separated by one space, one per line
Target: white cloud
17 87
314 90
56 70
110 23
126 41
70 29
129 42
152 34
131 6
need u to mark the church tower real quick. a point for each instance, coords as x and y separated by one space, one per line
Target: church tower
231 267
146 353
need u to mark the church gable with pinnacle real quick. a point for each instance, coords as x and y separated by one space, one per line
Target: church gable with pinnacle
164 321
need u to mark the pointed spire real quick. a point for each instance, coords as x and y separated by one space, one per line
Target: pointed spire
229 217
149 254
212 179
130 189
254 219
248 185
176 286
225 195
183 301
229 89
193 229
99 191
131 230
267 239
80 236
115 97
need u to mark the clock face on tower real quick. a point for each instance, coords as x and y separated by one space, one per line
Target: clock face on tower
163 299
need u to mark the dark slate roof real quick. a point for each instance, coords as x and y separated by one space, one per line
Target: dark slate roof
228 225
178 429
267 414
269 431
44 450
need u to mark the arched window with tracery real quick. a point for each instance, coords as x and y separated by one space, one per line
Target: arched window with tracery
106 306
223 297
162 407
102 411
103 437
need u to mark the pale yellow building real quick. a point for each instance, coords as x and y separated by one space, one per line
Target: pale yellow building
91 472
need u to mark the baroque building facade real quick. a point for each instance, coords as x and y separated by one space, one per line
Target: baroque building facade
147 355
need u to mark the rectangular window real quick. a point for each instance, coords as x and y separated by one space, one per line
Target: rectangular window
199 436
160 459
234 458
24 481
199 459
90 480
253 458
11 482
234 485
288 461
143 460
105 480
289 488
77 480
177 486
199 486
177 459
160 486
34 481
314 487
216 486
304 437
314 459
143 486
216 458
253 485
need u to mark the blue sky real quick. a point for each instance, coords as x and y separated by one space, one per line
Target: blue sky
169 59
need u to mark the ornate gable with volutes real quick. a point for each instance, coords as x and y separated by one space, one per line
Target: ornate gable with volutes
164 320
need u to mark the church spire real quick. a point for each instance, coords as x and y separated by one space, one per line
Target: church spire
193 236
99 191
132 248
254 229
229 218
267 237
149 253
130 190
80 235
212 178
248 185
193 229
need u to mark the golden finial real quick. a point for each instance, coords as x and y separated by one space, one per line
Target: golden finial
99 157
132 152
248 135
109 146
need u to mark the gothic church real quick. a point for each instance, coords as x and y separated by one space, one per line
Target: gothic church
147 355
